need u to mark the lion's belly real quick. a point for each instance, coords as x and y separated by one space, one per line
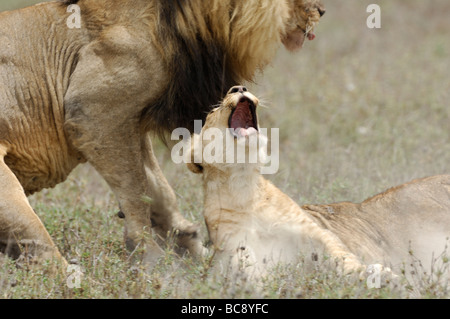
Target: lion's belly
39 163
31 130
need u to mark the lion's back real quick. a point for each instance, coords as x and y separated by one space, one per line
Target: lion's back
411 217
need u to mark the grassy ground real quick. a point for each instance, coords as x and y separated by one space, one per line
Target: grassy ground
359 110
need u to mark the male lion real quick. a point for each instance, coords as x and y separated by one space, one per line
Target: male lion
92 94
254 224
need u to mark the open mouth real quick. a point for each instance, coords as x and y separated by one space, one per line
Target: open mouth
309 33
243 121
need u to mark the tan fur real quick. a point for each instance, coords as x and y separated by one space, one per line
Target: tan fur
254 224
412 218
68 96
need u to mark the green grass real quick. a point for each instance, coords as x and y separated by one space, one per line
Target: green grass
359 111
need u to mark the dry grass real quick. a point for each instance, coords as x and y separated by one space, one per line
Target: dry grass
359 111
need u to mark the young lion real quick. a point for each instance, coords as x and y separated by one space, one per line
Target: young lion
249 220
255 225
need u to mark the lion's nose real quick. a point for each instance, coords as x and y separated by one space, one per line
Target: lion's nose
321 11
238 89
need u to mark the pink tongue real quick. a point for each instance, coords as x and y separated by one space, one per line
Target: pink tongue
245 132
311 36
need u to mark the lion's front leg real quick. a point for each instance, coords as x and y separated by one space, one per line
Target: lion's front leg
119 159
105 97
108 90
165 215
126 162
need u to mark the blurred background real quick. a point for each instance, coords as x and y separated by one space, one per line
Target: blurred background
14 4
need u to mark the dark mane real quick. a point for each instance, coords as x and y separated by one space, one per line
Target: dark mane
200 73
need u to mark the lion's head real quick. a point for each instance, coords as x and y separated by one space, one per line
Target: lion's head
304 15
237 113
208 48
230 135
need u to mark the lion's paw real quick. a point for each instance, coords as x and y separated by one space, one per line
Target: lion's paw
378 276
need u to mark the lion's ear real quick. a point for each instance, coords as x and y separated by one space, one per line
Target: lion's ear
196 168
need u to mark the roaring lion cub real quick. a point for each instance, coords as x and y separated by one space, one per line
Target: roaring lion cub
255 225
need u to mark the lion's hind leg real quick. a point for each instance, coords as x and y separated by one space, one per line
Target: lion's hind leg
22 233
